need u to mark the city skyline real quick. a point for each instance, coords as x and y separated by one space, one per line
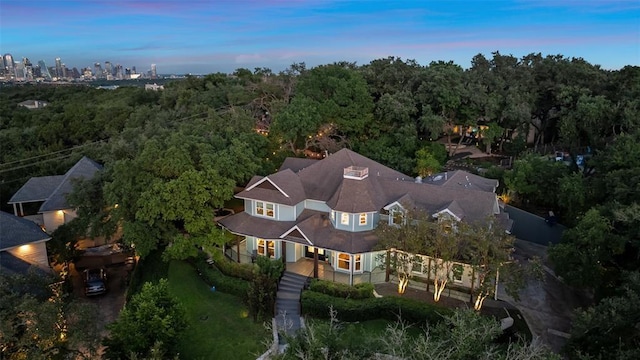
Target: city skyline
209 36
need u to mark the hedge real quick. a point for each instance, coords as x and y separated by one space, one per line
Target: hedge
214 277
232 268
359 291
317 305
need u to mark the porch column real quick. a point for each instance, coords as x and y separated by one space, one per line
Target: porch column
387 266
238 248
352 258
283 251
21 210
15 209
315 262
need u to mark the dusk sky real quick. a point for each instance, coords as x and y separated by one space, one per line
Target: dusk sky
201 37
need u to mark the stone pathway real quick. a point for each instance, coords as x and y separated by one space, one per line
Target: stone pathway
288 302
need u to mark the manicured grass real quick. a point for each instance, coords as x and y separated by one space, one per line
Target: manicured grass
219 325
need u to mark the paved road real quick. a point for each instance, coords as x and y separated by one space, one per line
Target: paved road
533 228
547 306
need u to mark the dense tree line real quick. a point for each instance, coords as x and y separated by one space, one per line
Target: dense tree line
172 157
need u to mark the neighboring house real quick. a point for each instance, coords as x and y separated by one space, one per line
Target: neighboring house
328 209
52 192
154 87
33 104
22 245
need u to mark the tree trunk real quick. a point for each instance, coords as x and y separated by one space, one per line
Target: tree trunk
438 288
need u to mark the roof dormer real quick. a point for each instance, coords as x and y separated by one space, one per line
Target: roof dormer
356 172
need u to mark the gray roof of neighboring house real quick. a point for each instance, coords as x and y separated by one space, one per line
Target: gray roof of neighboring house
16 231
54 189
13 265
37 189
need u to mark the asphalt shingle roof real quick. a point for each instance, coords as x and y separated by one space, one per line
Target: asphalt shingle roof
53 190
16 231
468 196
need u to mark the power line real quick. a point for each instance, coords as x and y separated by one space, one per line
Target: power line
51 153
35 163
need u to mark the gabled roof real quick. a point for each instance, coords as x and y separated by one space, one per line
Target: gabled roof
322 179
461 179
374 188
452 208
16 231
53 190
296 164
37 189
283 187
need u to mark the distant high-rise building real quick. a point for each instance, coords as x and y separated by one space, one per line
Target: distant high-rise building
8 65
97 70
154 73
28 68
44 71
59 68
108 68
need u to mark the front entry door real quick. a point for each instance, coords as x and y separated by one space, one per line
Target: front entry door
308 253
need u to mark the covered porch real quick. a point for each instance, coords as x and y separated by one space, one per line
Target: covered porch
304 266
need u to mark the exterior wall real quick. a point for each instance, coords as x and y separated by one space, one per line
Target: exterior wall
465 281
292 252
282 212
285 213
299 208
35 254
53 219
316 205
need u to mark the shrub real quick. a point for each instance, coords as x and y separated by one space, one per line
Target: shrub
359 291
232 268
214 277
317 305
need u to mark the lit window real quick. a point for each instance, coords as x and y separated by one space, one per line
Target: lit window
266 248
344 219
343 261
363 219
270 210
396 218
333 216
357 263
416 265
265 209
457 273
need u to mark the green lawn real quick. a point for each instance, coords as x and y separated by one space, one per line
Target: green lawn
220 327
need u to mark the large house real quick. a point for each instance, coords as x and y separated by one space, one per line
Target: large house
22 245
327 210
51 192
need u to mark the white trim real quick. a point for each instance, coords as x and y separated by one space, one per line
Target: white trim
395 203
342 218
295 227
269 180
446 211
264 209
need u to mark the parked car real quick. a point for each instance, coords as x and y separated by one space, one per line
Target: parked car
95 281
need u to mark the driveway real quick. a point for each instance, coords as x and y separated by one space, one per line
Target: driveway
547 306
110 303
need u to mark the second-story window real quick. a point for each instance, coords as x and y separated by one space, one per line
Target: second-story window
265 209
344 218
363 219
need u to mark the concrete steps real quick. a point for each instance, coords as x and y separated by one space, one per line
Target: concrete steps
288 302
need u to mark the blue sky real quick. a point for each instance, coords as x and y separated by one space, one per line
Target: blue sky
207 36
